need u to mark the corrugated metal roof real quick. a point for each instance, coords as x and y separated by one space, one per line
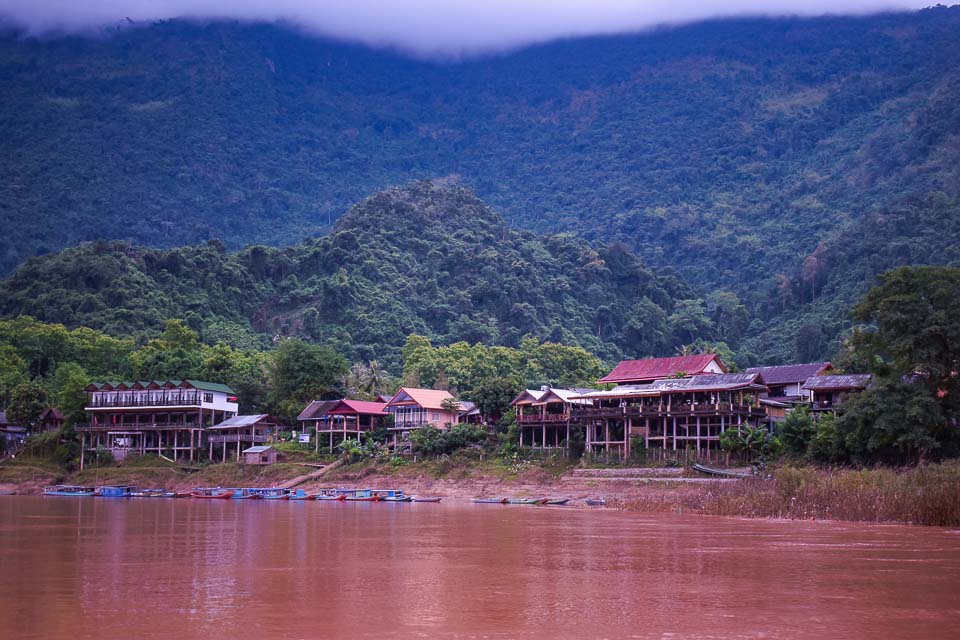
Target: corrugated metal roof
358 406
241 421
838 382
426 398
197 384
258 449
316 409
528 395
790 373
653 368
702 383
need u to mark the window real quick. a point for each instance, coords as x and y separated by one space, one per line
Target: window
436 416
208 397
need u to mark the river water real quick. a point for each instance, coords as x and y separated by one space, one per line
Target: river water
192 569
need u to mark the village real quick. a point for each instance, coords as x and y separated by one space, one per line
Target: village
665 405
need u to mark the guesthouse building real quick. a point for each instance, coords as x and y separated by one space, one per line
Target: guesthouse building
164 417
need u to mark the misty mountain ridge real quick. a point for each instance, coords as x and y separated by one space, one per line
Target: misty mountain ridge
752 156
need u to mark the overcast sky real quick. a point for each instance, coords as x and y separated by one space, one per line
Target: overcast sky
449 27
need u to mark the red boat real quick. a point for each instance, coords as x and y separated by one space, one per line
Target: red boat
212 494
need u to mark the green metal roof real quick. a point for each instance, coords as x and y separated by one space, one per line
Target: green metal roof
197 384
209 386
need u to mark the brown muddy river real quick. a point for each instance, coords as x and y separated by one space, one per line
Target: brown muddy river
192 569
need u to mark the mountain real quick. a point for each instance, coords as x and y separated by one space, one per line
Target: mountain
752 156
429 258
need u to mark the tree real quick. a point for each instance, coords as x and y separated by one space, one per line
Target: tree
69 382
300 372
797 431
689 321
27 402
13 371
493 396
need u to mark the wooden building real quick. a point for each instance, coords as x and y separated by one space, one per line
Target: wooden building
543 416
50 420
827 393
166 417
338 420
672 413
260 455
417 408
785 382
227 440
12 436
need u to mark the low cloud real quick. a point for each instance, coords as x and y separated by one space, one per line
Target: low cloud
427 27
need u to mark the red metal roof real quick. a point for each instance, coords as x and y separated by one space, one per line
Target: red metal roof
361 406
655 368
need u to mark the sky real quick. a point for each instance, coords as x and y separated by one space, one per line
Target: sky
428 27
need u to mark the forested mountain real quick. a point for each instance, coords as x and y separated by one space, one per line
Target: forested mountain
756 156
429 259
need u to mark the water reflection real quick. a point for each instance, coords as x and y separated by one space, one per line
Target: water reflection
190 569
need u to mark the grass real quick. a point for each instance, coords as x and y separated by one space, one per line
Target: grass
926 495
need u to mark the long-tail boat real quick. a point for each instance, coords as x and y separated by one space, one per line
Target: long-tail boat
392 495
271 494
360 495
70 491
244 493
335 495
214 493
557 501
300 494
116 491
425 499
596 502
490 500
153 493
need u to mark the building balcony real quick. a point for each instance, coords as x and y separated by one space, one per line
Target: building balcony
228 438
133 426
124 401
656 411
550 418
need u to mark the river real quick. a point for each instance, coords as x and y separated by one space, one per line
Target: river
192 569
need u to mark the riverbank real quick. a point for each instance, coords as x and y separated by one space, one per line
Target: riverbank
925 495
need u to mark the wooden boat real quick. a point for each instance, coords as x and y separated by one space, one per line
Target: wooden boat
721 472
557 501
70 491
335 495
153 493
300 494
526 500
490 500
360 495
244 493
425 499
270 494
116 491
596 502
392 495
8 492
214 493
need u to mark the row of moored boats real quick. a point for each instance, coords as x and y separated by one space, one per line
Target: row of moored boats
238 493
538 501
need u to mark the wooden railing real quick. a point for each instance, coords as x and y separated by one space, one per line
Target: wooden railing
236 437
122 400
659 410
550 418
133 426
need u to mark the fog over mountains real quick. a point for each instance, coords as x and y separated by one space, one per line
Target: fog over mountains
784 161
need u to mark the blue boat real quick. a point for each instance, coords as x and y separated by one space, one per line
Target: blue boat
392 495
70 491
271 494
300 494
116 491
244 494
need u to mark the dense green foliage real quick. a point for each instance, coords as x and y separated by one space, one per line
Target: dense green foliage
429 259
788 161
911 412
